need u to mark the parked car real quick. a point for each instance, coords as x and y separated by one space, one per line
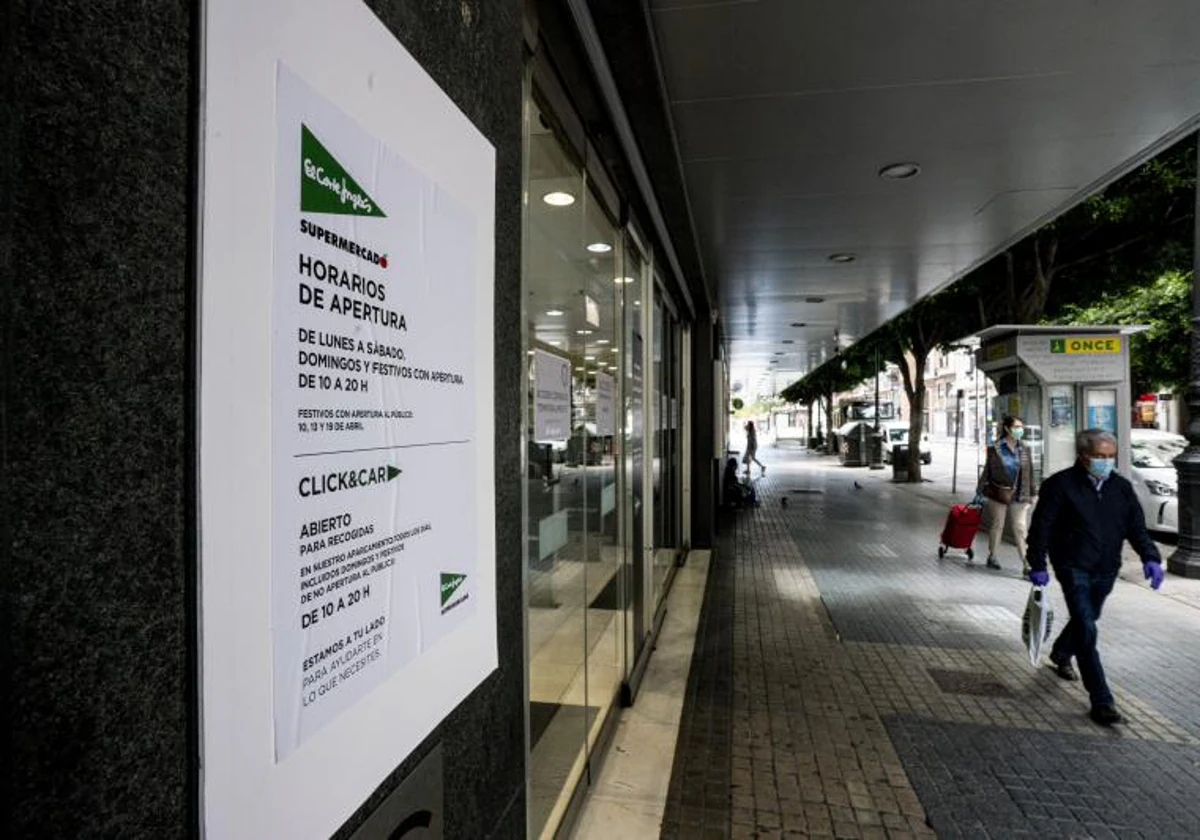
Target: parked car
897 433
1154 479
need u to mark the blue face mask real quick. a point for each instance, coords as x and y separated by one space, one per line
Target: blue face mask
1017 432
1101 467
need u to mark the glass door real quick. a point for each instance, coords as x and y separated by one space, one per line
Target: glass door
585 450
633 366
556 490
667 461
599 431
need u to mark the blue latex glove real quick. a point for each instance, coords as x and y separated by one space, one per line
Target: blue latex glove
1153 571
1039 577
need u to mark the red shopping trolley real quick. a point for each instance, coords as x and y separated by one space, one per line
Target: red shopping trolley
962 524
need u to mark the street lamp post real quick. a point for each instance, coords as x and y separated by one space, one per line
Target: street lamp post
1186 559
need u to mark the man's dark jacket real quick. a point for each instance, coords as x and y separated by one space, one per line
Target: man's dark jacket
1083 529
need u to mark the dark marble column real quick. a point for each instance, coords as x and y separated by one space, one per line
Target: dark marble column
96 501
97 445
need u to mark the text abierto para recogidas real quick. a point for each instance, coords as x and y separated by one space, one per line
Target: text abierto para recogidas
344 304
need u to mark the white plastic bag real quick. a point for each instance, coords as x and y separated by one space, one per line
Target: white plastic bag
1037 624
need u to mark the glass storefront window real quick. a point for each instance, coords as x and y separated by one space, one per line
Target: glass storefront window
638 607
555 486
574 279
597 566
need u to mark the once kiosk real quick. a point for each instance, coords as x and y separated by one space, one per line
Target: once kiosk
1060 381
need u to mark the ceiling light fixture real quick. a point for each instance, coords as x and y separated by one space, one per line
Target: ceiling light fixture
554 313
559 199
842 258
602 341
900 171
599 247
583 332
621 281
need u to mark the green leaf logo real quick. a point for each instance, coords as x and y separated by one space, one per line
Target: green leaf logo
1058 345
326 186
451 583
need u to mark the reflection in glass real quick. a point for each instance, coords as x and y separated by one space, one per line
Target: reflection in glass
572 290
554 274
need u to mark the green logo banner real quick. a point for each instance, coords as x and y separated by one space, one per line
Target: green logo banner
326 186
450 584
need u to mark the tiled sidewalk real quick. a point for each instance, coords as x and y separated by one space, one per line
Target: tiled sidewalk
874 691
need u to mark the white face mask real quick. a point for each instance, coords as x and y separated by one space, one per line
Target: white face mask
1101 467
1017 432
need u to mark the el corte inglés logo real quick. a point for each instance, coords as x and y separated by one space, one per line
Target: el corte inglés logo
1072 346
451 583
326 186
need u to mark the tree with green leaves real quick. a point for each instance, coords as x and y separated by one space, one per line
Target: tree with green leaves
1160 357
1140 224
909 339
1120 256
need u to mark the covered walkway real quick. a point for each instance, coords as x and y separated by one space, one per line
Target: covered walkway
845 682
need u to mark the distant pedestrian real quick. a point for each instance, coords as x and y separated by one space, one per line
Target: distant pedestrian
1006 489
1085 515
752 449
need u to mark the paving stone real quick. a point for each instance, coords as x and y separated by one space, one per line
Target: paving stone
814 686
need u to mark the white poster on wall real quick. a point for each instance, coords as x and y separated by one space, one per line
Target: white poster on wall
346 413
372 412
552 397
605 405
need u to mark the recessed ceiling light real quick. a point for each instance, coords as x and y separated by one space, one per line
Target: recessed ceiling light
637 303
842 258
814 300
559 199
602 341
554 313
900 171
621 281
599 247
583 332
589 358
530 352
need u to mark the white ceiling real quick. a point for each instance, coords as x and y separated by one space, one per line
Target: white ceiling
785 110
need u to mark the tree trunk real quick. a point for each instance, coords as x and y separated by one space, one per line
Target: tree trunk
829 450
914 387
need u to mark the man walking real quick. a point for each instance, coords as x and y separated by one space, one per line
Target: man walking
1083 517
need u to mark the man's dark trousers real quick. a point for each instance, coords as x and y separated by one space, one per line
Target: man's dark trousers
1085 593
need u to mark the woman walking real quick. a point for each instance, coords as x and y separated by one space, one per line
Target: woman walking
1007 489
752 449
